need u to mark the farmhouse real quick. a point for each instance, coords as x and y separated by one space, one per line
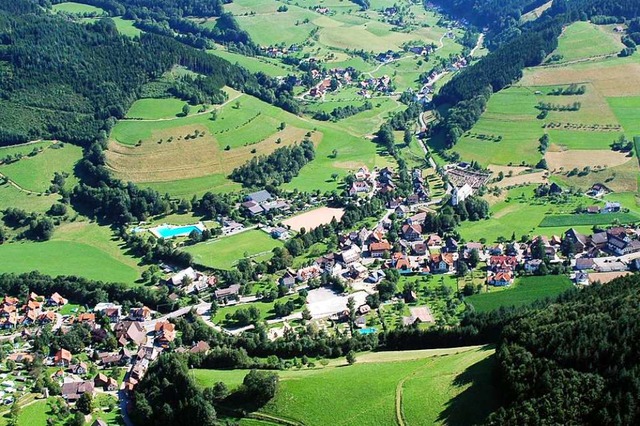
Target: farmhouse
62 358
228 293
411 232
380 249
501 279
130 331
72 391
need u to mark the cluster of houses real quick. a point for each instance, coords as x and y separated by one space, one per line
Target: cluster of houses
363 182
344 77
190 281
371 85
36 310
261 202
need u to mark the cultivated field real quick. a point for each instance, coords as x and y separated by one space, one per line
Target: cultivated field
166 161
524 291
314 218
436 389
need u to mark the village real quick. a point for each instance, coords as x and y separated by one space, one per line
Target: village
373 275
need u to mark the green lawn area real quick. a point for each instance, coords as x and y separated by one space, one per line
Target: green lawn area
431 387
81 248
35 173
588 219
524 291
223 253
152 109
77 8
584 40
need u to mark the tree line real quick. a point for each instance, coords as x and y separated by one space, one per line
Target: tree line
279 167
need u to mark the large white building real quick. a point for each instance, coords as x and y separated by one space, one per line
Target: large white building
460 194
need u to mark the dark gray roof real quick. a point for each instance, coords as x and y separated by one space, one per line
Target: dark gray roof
260 196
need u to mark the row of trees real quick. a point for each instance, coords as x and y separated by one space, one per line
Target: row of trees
339 113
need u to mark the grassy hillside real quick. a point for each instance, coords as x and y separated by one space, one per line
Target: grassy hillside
417 387
163 153
34 173
81 248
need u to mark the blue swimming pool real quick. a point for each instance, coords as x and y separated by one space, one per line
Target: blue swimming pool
176 231
369 330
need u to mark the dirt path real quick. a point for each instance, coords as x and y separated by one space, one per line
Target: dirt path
214 107
274 419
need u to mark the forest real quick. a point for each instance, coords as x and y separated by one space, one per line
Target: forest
70 81
576 363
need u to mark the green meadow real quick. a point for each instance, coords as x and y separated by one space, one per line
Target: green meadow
80 248
254 64
125 27
524 291
588 219
585 40
419 387
77 8
224 252
34 173
153 109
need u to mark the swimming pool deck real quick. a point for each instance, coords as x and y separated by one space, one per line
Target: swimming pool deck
175 231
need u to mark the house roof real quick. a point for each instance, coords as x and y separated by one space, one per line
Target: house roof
232 290
381 246
199 347
414 228
259 196
61 355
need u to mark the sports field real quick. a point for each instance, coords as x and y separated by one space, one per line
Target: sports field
224 252
524 291
429 387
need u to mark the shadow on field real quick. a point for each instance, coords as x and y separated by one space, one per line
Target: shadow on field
475 403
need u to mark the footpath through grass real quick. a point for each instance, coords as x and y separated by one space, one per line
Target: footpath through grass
436 389
525 290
